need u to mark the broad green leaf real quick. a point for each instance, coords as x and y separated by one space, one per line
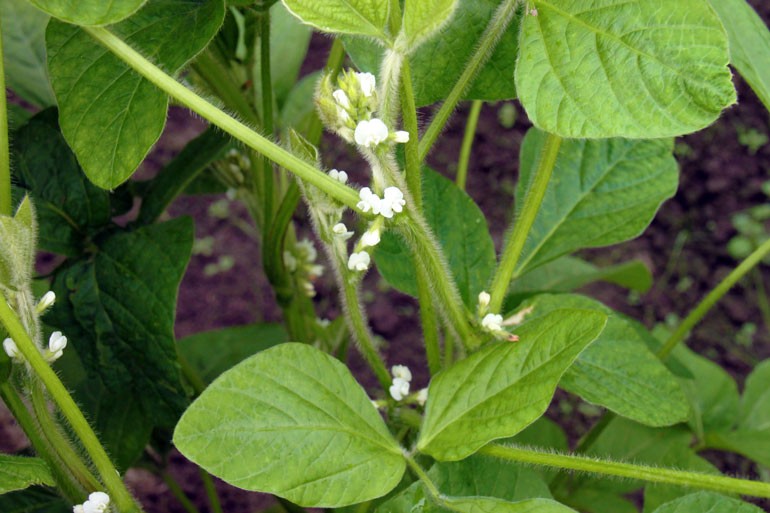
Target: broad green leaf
490 505
438 63
33 500
293 422
592 500
707 502
623 68
501 389
20 472
460 227
362 17
89 12
213 352
109 114
618 371
24 52
423 18
749 44
117 308
69 208
601 193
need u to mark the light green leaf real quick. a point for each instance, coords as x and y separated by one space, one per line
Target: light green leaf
213 352
501 389
423 18
438 63
618 371
24 52
602 192
33 500
109 114
707 502
117 308
362 17
293 422
20 472
89 12
623 68
490 505
460 227
749 44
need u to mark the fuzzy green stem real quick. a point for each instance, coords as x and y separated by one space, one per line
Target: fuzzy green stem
211 491
517 237
178 493
243 133
219 80
428 320
110 476
494 31
722 484
465 150
413 169
5 158
430 486
712 297
268 187
333 67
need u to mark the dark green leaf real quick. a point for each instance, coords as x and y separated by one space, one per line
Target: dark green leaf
602 192
501 389
423 18
118 310
437 65
33 500
462 231
489 505
109 114
623 68
707 502
213 352
20 472
292 421
89 12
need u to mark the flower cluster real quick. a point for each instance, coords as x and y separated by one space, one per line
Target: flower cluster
98 502
301 261
56 345
494 323
392 201
402 377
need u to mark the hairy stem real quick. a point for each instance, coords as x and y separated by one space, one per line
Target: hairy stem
722 484
5 158
219 80
465 150
413 169
494 31
517 236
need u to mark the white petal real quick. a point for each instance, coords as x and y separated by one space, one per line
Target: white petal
10 348
359 261
370 238
48 299
399 389
341 98
401 372
492 322
401 136
57 342
484 299
368 83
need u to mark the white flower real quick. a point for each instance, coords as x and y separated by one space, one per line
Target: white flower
359 261
56 344
399 389
484 299
341 98
289 261
46 302
401 372
422 396
392 201
10 349
340 176
369 201
77 508
368 83
401 136
370 237
492 322
341 231
371 133
308 248
98 502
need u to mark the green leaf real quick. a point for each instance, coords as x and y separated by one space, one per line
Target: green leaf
618 371
592 500
423 18
33 500
460 227
706 502
362 17
623 68
213 352
298 107
70 209
438 63
293 422
109 114
24 52
602 192
501 389
20 472
117 308
89 12
490 505
749 44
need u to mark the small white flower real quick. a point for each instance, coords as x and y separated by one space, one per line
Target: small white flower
392 201
308 288
340 176
399 389
401 372
371 133
289 261
401 136
308 248
56 344
492 322
343 117
370 238
10 349
46 302
98 502
484 299
422 396
77 508
368 83
341 231
359 261
341 98
369 201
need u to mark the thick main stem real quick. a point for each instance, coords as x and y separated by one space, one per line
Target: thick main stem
517 237
722 484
